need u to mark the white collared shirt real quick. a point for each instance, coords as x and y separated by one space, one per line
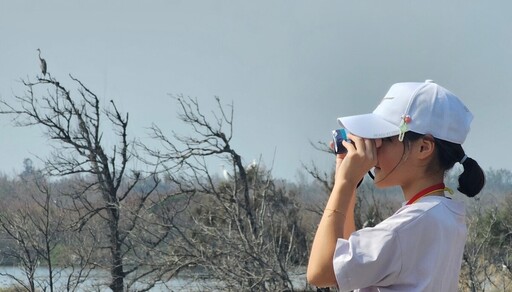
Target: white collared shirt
419 248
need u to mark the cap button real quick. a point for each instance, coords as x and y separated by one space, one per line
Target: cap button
429 81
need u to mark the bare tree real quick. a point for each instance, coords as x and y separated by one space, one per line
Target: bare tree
23 251
487 255
34 224
245 230
475 266
105 192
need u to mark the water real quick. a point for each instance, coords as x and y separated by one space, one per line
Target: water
97 281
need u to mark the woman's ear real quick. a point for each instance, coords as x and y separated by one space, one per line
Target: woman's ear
426 147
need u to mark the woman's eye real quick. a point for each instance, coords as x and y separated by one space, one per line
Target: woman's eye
388 139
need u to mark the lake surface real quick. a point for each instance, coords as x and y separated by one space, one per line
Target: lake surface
98 281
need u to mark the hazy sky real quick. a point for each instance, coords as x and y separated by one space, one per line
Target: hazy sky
290 67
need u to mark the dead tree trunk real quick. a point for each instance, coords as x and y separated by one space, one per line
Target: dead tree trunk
76 124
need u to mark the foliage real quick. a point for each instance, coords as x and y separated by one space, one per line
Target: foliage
488 252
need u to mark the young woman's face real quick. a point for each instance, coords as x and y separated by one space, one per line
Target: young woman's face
391 169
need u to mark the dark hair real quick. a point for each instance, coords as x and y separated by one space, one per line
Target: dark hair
472 179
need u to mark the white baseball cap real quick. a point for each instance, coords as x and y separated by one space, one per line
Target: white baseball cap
421 107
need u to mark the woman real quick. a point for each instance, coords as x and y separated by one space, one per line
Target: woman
411 139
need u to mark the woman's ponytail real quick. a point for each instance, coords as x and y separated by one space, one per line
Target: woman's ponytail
472 179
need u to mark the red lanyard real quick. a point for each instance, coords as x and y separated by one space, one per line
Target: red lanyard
427 191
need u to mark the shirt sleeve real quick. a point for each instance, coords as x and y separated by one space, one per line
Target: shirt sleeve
370 257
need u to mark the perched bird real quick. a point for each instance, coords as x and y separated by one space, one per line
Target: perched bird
43 63
225 174
252 165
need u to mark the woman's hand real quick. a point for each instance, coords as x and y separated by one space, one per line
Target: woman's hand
361 156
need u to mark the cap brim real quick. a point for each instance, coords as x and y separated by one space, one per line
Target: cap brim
369 126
